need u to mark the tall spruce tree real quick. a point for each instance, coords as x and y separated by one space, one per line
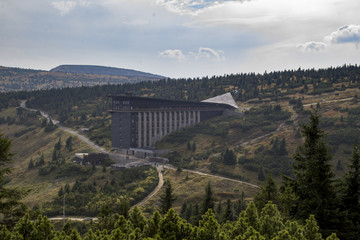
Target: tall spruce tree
313 176
167 198
208 201
11 207
351 198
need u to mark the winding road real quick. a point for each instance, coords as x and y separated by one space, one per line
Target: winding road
82 137
156 189
159 168
214 176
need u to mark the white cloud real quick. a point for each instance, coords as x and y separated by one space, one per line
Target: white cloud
173 54
209 53
191 7
312 46
345 34
202 54
64 7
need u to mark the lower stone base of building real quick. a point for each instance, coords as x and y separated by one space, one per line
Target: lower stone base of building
142 152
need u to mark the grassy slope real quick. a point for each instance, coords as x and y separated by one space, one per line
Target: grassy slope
45 188
190 187
32 145
329 107
36 142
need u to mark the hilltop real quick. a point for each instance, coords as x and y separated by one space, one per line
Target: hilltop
68 76
101 70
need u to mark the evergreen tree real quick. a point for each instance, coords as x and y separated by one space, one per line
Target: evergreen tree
188 146
314 178
287 200
229 157
137 218
351 198
282 147
11 207
261 174
188 213
31 164
208 201
339 165
193 147
195 216
219 211
268 192
69 144
229 212
167 198
41 161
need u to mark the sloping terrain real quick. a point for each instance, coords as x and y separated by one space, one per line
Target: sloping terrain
263 140
17 79
101 70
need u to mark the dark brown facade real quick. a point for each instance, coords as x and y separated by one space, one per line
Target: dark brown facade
139 122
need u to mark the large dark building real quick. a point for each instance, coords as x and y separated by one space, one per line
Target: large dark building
139 122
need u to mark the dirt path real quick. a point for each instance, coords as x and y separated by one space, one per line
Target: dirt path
159 168
82 137
215 176
156 190
329 101
75 219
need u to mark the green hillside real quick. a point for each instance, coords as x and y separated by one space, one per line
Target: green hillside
246 148
101 70
17 79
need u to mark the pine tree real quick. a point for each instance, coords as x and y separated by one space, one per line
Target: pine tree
351 198
229 212
193 147
11 209
229 157
261 174
31 164
183 210
314 177
188 146
208 201
282 147
41 161
268 192
167 198
69 144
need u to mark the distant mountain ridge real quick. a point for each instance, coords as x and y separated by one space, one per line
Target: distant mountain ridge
102 70
64 76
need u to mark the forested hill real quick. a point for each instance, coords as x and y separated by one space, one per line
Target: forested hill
17 79
101 70
244 86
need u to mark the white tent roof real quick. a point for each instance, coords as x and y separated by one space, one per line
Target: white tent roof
224 98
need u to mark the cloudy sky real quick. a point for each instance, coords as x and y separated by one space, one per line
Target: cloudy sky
180 38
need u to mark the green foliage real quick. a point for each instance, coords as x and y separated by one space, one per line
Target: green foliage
268 192
69 143
208 202
314 177
269 224
167 198
229 157
351 196
11 207
124 188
